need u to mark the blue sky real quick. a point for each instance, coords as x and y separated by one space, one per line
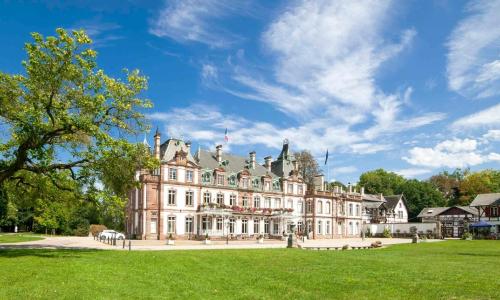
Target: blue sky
408 86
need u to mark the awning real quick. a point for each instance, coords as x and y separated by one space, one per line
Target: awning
481 224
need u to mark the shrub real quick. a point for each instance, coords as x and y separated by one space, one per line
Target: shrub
345 247
171 237
413 230
387 233
96 228
81 231
207 237
467 236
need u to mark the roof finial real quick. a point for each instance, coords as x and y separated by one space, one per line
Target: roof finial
157 131
145 142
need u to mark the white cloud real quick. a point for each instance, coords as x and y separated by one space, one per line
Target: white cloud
473 61
327 55
193 21
369 148
485 118
492 135
412 172
455 153
345 170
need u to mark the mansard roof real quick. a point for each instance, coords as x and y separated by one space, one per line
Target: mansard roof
230 163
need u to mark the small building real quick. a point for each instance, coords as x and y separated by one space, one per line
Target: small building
487 207
396 209
452 219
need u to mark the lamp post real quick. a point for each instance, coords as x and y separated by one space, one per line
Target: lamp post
226 224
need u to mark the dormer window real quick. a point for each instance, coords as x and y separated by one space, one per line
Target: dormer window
206 177
255 183
232 180
244 183
276 185
220 179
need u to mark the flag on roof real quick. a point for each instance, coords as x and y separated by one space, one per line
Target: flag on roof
326 156
226 138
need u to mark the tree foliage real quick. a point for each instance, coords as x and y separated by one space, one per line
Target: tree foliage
381 181
308 166
65 114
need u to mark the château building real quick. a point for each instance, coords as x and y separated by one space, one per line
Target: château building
228 196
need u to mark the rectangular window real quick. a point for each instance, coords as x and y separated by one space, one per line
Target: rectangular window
189 198
327 207
300 189
266 226
300 226
276 228
300 207
220 179
290 203
256 226
245 201
172 174
205 223
400 214
189 224
232 223
171 224
350 209
309 207
290 188
244 226
206 198
232 200
256 201
220 198
277 203
327 229
319 227
244 183
171 197
153 225
219 223
268 203
189 176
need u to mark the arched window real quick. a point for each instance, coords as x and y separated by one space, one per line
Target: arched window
206 177
328 207
320 207
350 209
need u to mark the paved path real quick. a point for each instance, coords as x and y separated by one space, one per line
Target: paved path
69 242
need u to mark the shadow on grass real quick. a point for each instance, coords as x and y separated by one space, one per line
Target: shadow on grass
479 254
16 252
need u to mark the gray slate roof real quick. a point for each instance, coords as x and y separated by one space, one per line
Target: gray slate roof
393 200
168 149
235 164
371 197
435 211
486 199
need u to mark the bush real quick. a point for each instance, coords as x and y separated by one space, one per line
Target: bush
345 247
376 244
467 236
387 233
96 228
81 231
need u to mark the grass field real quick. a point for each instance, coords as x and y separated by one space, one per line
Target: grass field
445 270
18 237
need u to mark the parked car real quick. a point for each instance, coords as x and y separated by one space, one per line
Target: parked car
111 234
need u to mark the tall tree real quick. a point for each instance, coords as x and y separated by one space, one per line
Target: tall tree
486 181
381 181
308 166
420 194
64 115
449 184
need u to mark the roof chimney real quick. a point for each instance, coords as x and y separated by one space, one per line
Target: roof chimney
157 144
188 147
349 186
252 159
218 153
267 163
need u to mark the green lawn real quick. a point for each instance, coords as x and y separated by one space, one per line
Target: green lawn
446 270
18 237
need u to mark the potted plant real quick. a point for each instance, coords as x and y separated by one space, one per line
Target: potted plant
207 239
170 240
260 239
